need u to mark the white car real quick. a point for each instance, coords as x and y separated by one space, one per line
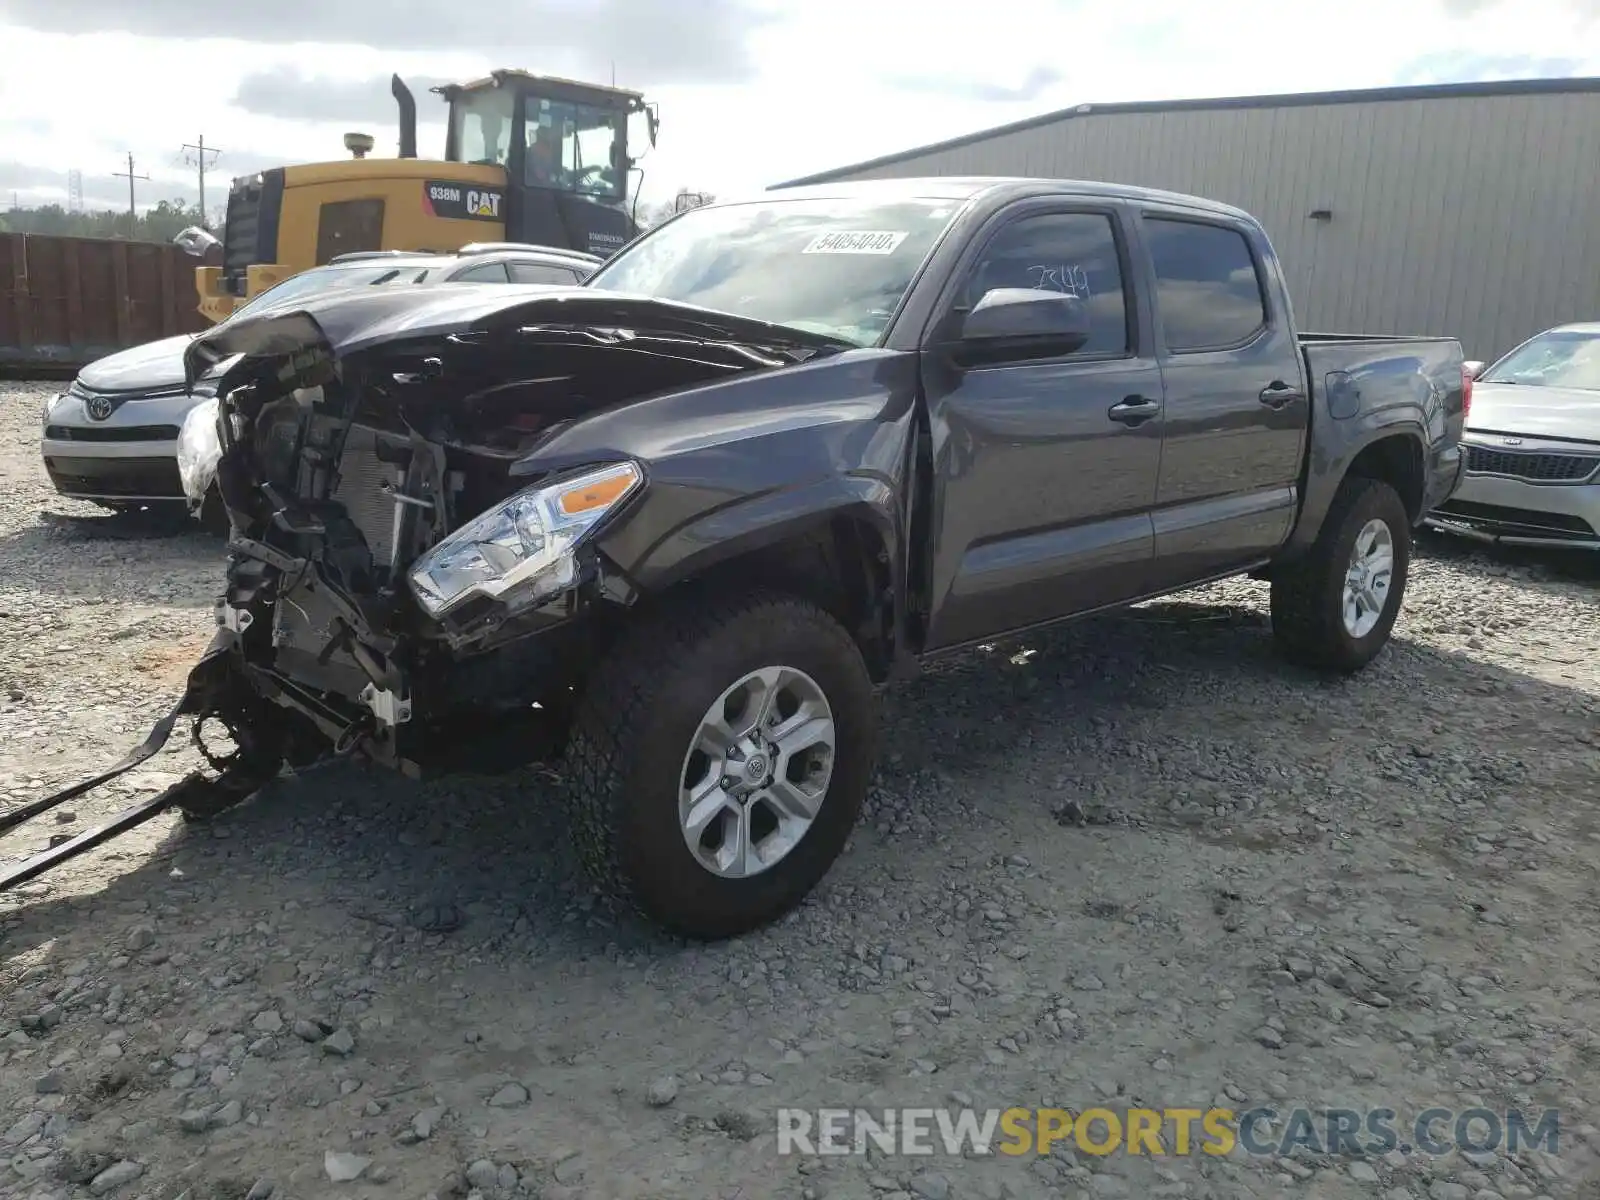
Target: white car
1532 445
112 436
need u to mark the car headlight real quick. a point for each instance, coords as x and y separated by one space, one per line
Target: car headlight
520 551
49 407
199 450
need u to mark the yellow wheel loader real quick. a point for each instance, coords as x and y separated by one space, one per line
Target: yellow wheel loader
528 158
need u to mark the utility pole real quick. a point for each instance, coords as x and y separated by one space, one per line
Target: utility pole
133 212
201 150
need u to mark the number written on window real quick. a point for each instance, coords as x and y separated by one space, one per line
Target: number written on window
1208 294
1075 253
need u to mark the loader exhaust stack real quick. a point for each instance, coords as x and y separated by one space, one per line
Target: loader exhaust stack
408 116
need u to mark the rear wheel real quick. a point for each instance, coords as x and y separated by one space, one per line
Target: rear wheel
719 759
1335 608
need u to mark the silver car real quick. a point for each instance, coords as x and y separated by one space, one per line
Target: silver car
1532 445
112 436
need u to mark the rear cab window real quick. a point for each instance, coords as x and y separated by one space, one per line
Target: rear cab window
1208 289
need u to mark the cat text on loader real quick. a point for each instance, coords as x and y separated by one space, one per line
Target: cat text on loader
528 158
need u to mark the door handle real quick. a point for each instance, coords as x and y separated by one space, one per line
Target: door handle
1135 410
1278 394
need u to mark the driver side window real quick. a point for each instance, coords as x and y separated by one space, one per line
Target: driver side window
1073 253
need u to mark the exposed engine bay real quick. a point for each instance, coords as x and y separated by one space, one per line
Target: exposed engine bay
400 564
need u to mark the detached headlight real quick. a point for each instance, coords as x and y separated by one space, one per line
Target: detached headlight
520 551
199 450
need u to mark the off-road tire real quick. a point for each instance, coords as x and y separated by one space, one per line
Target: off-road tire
632 729
1307 596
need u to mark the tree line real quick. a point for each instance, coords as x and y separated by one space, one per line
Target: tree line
168 218
161 223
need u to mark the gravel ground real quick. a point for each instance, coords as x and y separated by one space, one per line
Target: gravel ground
1136 861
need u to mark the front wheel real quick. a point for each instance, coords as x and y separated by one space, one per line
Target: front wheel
1335 608
719 759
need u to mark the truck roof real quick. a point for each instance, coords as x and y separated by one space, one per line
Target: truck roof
967 187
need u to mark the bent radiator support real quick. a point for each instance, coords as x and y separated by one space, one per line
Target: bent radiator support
196 790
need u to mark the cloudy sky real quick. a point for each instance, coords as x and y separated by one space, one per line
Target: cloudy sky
751 92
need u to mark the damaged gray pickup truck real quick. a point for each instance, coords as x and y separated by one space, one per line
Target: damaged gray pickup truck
675 525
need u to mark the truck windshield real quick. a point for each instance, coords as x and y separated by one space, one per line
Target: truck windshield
834 266
574 147
1567 358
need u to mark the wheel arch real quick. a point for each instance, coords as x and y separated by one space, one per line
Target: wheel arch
1392 453
835 545
1395 459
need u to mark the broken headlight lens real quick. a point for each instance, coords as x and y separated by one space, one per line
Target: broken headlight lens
199 450
520 551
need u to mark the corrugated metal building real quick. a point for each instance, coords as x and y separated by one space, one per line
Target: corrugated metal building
1470 210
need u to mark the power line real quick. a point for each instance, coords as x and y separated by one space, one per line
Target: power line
201 150
133 212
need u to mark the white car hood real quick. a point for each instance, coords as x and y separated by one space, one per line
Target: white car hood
1524 411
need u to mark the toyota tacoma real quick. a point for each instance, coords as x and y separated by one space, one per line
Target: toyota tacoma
677 524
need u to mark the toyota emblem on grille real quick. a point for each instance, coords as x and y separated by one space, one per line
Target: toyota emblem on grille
99 407
1510 441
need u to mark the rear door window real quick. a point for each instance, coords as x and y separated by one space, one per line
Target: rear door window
1208 289
532 272
494 272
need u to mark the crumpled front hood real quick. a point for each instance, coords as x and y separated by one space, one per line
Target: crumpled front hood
346 324
154 366
1524 411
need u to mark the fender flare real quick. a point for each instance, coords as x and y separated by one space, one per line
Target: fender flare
1327 467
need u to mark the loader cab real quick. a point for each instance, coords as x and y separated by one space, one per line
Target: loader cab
564 147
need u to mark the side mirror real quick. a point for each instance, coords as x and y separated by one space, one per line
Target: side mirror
1024 323
1472 368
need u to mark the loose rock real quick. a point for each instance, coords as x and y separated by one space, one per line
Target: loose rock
663 1091
114 1177
344 1168
509 1096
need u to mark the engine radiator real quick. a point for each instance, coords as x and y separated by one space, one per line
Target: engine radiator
362 477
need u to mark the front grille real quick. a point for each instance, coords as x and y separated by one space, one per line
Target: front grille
127 433
87 393
250 234
1517 520
1534 466
361 479
116 476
